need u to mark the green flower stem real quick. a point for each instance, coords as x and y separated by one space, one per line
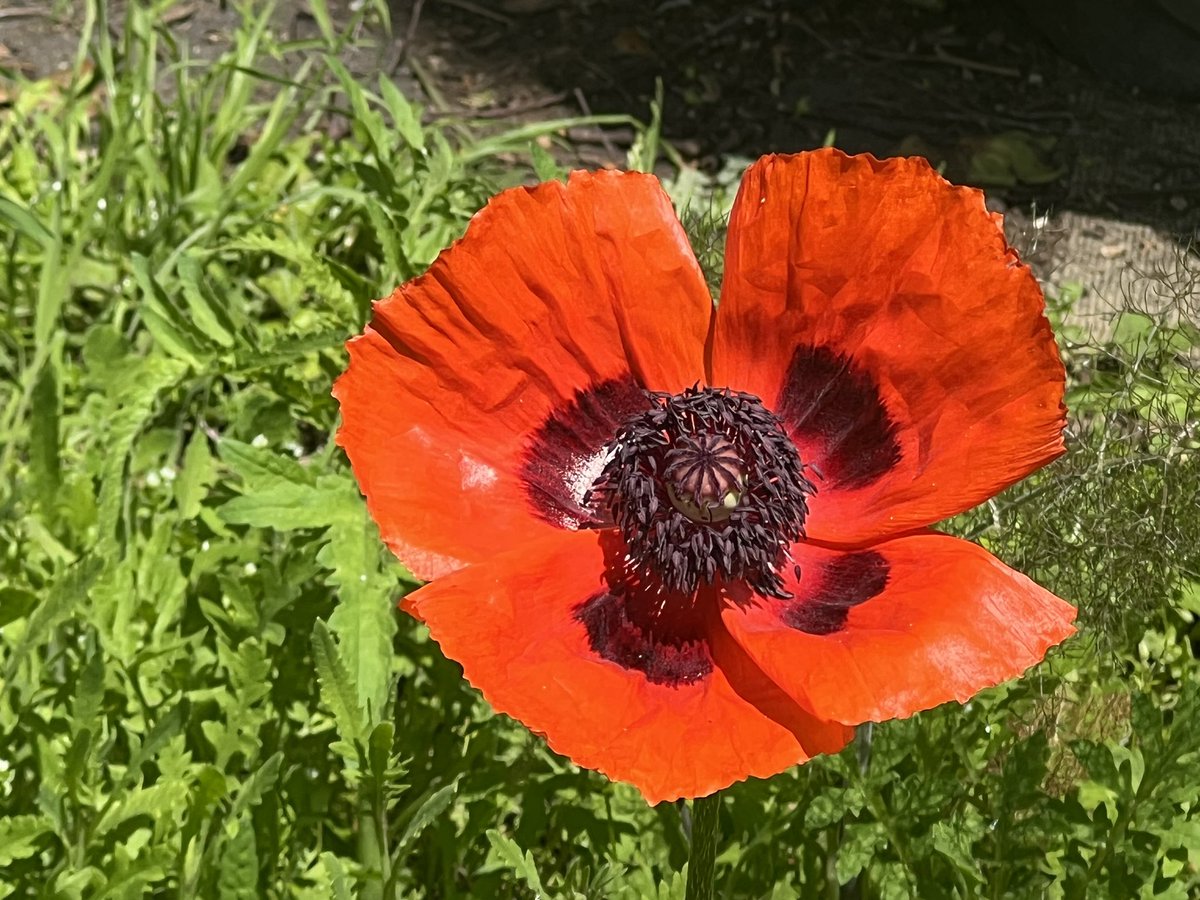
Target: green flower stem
702 863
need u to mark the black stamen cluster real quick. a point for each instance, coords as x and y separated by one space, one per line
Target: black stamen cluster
710 443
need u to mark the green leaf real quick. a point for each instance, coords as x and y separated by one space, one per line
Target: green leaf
365 617
19 836
207 312
157 802
1010 158
544 165
365 118
953 840
261 468
338 691
45 468
379 752
237 863
521 864
159 579
25 223
168 325
165 728
53 287
136 394
15 603
339 879
643 153
860 842
68 595
429 811
259 783
405 117
89 690
286 507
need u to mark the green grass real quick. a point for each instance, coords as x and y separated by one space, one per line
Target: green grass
206 689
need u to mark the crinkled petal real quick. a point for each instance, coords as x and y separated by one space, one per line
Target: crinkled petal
558 296
681 712
884 631
878 310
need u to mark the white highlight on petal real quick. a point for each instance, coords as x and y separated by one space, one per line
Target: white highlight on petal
475 474
584 472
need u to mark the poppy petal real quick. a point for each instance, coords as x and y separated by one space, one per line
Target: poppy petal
877 309
905 625
559 301
546 639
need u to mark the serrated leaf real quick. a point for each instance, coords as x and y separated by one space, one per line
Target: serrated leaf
67 595
260 782
136 394
164 729
89 689
521 864
208 789
860 842
19 836
339 879
169 328
237 863
379 751
338 691
405 117
130 880
675 887
317 273
286 507
158 801
191 487
261 468
432 808
77 759
364 620
160 582
113 611
206 314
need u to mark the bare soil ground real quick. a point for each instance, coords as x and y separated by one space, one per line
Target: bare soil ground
1108 174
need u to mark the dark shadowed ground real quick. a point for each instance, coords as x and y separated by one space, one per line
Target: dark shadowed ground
1110 171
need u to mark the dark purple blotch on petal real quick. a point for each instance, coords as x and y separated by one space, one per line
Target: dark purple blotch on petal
829 402
614 634
843 583
559 451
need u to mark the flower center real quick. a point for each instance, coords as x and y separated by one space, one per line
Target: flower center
705 476
705 485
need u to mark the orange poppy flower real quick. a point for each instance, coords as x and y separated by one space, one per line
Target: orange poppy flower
690 544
